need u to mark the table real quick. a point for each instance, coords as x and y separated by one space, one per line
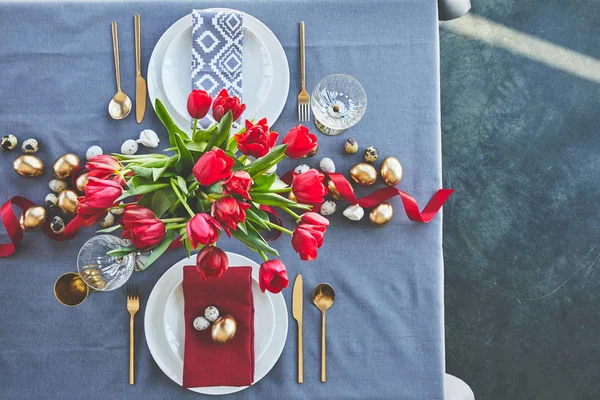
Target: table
385 331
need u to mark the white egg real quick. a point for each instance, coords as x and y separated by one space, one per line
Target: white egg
272 170
129 147
93 152
354 212
148 138
328 207
327 165
302 168
201 323
51 200
57 185
211 313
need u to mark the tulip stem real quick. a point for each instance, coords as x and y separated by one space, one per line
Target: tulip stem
175 226
167 220
293 214
195 128
263 255
278 227
180 197
280 190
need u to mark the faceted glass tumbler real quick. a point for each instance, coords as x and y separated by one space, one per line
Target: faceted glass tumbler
338 102
101 271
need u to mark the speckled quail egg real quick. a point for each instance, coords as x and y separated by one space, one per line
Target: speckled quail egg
211 313
129 147
30 146
328 207
9 142
51 200
93 152
108 220
327 165
57 225
350 146
371 154
58 185
201 323
302 168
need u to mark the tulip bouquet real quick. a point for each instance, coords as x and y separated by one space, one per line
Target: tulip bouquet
213 182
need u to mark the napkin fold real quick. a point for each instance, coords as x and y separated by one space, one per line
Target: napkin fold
217 53
210 364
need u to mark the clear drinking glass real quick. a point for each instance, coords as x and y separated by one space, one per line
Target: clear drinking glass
100 271
338 102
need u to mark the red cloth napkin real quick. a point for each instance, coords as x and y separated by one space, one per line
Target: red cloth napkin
206 363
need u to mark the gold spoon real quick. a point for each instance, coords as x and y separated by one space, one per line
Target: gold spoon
323 296
120 105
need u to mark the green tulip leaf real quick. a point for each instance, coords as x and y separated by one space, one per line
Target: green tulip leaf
222 132
109 229
167 121
261 165
264 182
185 161
254 241
159 249
162 200
203 135
123 251
142 189
258 217
273 199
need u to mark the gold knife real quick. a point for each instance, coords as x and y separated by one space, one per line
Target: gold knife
297 299
140 83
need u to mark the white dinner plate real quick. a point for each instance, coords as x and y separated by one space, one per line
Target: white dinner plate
275 100
164 334
257 72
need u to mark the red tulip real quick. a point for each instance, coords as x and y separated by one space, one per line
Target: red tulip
313 218
309 188
211 262
308 235
87 215
213 166
224 103
105 167
102 193
229 212
142 227
299 142
198 103
203 229
256 140
238 183
272 276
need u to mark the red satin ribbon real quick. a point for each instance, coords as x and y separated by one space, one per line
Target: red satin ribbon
15 233
379 196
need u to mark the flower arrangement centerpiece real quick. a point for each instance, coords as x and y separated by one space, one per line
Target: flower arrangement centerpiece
213 182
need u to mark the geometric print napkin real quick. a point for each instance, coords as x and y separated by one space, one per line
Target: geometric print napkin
217 53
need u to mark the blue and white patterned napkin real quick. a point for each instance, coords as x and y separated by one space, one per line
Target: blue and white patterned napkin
217 53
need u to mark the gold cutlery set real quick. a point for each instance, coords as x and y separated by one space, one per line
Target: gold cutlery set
120 105
323 297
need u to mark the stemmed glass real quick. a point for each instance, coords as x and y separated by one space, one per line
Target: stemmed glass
101 271
338 102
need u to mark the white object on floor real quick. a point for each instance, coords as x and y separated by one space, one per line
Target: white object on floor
456 389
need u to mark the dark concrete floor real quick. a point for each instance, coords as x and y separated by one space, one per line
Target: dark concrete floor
521 146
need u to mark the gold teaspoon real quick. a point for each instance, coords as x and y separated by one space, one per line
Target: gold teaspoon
323 296
120 105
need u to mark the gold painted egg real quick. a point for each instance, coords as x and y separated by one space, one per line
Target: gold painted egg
223 329
33 218
381 214
67 202
391 171
28 166
333 190
364 174
65 165
81 182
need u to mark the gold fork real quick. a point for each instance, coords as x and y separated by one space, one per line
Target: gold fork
133 305
303 97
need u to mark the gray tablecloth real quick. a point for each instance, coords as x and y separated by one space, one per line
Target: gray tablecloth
386 327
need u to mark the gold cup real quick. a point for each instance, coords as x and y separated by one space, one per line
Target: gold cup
70 290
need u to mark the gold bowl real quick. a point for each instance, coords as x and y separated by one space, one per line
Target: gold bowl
70 290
